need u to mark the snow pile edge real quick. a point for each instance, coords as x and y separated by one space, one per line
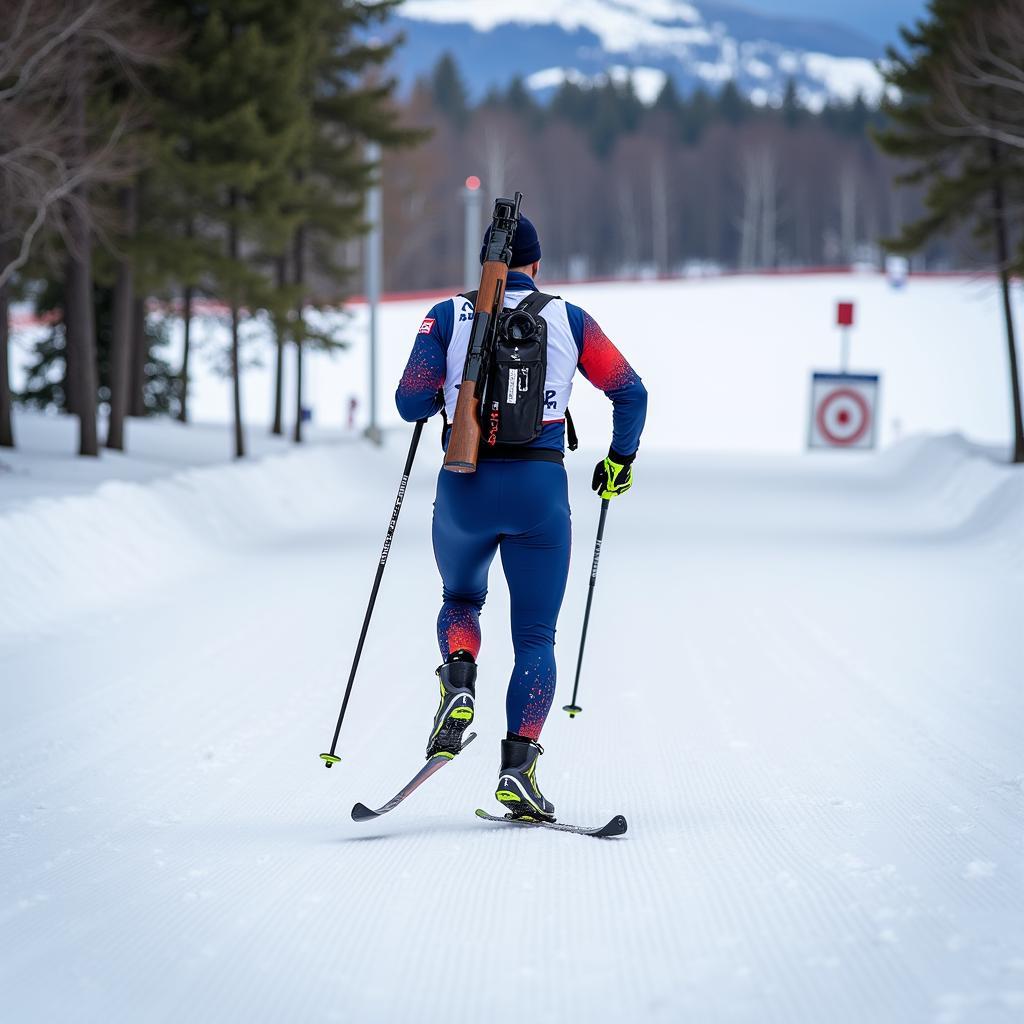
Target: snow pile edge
93 552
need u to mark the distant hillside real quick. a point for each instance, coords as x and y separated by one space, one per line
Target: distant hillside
705 43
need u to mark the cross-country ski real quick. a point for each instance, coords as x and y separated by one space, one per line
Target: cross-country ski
360 812
614 827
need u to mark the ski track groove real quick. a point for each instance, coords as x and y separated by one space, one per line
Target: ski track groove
772 851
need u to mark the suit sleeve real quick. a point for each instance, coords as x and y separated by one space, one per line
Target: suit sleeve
606 368
417 395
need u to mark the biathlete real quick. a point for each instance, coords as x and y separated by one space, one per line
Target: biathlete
516 502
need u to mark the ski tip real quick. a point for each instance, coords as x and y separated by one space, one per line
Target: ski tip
481 813
360 812
616 827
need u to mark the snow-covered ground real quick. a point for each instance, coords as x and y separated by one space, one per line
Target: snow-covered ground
804 692
731 359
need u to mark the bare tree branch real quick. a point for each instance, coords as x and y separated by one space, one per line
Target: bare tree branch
982 87
46 47
47 169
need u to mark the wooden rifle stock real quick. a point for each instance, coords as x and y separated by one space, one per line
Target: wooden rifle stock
464 440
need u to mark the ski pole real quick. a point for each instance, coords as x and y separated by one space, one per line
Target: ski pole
574 709
331 758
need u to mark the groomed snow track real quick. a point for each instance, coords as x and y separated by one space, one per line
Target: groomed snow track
804 691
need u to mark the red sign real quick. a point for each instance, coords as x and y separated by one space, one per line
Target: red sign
844 314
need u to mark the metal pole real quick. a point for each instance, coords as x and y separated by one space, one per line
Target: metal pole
844 350
472 197
373 279
574 709
331 757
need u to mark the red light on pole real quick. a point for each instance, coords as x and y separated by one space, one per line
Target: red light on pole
844 314
472 183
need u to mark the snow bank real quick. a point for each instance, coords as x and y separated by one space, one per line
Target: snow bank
967 491
93 552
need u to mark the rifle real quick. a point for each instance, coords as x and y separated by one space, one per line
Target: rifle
464 441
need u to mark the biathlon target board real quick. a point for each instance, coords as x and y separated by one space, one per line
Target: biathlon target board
843 410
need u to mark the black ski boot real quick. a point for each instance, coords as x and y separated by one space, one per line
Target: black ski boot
517 781
455 712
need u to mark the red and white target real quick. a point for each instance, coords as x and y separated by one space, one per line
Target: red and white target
843 409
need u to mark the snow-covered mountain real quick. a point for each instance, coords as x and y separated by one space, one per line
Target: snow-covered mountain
706 42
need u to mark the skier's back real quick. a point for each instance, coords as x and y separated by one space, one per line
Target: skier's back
516 501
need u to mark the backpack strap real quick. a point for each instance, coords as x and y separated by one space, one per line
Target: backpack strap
535 302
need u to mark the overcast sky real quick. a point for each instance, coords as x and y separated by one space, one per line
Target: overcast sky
879 19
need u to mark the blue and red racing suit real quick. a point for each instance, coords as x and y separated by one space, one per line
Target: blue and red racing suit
518 504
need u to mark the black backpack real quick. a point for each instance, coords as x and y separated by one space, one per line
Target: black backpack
512 405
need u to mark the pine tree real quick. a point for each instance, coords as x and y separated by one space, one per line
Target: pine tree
696 115
346 106
792 108
234 92
450 93
968 179
731 103
520 100
46 383
668 100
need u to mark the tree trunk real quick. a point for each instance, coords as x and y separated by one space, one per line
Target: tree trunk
751 216
280 332
140 356
769 214
848 213
70 317
659 214
81 338
236 383
236 365
186 317
81 325
1003 256
121 347
300 331
297 436
6 422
